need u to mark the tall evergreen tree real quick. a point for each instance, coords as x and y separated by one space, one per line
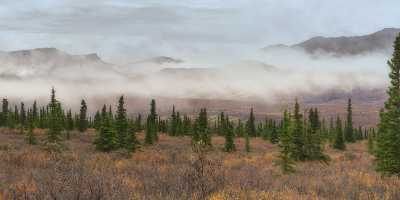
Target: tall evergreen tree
240 130
35 114
285 158
229 136
106 138
97 120
297 134
4 113
339 140
131 141
83 121
349 134
313 145
202 133
250 125
55 119
151 134
22 115
388 141
274 138
121 123
173 123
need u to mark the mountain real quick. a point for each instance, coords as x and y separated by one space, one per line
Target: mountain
46 61
151 65
381 41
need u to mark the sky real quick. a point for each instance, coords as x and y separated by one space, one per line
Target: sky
122 31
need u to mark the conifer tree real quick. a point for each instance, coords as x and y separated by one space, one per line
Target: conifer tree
83 121
4 113
229 136
388 141
173 123
151 126
97 120
55 119
202 133
121 123
349 134
106 138
274 138
187 125
131 140
250 125
339 140
22 116
35 113
285 158
240 130
296 132
313 146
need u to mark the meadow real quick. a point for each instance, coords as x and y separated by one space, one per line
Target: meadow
172 169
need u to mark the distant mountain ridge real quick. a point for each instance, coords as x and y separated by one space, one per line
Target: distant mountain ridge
381 41
46 61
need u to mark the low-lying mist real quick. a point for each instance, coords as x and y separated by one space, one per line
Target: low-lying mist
262 76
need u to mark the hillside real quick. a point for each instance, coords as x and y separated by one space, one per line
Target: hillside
380 41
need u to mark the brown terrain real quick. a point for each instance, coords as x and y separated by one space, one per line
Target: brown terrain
172 170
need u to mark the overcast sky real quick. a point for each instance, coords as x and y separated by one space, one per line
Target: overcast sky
125 30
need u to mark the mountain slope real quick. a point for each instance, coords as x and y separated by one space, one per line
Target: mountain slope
380 41
46 61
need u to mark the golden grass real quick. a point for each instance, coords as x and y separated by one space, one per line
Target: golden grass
170 170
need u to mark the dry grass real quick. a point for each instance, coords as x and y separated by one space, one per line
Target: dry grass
170 170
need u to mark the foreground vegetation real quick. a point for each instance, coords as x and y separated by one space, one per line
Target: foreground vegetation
172 169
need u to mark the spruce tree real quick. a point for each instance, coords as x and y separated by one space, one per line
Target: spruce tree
173 123
4 113
285 158
314 147
349 134
388 141
339 140
131 141
274 138
97 120
240 130
83 121
229 136
151 134
121 123
35 114
22 116
187 125
297 134
106 139
54 119
250 125
202 133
